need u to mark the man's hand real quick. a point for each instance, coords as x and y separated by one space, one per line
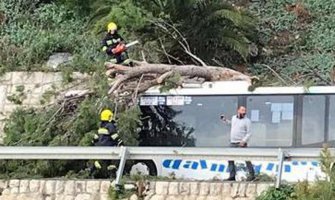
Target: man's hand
243 144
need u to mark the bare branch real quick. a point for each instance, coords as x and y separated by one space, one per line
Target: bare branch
143 57
183 42
275 73
166 54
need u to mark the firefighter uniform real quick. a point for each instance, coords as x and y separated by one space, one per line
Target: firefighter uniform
110 42
106 136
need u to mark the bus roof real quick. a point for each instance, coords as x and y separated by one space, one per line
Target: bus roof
239 88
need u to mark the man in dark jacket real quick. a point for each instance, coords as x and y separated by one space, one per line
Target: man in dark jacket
113 45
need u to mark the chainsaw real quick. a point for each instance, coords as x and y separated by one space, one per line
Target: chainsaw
123 47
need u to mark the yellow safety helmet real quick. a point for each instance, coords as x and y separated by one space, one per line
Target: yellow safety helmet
111 27
106 115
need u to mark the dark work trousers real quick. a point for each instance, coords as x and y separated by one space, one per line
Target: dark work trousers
232 167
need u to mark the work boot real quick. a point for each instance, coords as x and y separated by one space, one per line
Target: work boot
230 179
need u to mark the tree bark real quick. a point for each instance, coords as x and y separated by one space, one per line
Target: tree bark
156 74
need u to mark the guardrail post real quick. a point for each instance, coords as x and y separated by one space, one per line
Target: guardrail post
123 159
281 157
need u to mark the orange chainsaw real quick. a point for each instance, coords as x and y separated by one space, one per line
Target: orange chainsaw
120 48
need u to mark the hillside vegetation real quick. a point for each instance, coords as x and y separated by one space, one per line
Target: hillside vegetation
284 42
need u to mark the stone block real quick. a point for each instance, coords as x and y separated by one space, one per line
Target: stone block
242 189
204 189
133 197
6 191
14 183
201 198
173 188
92 187
50 186
3 184
174 197
18 77
69 188
9 108
3 96
162 187
105 187
48 78
42 186
30 196
14 186
6 78
190 197
104 197
251 190
158 197
262 187
59 197
51 197
59 188
194 186
213 197
80 186
47 88
226 189
68 197
184 188
215 189
234 190
34 185
8 197
83 197
34 99
24 186
57 77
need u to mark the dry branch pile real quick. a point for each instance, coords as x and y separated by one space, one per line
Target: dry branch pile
130 81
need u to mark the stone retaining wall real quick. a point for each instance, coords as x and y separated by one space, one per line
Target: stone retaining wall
98 190
54 189
205 190
35 84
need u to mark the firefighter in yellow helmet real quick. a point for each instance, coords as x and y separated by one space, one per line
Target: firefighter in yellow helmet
106 136
114 45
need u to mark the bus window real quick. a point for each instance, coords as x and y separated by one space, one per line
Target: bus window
196 122
272 120
313 119
331 118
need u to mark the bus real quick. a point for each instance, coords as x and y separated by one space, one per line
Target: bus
281 116
290 117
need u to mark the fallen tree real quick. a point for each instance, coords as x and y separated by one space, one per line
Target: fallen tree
131 81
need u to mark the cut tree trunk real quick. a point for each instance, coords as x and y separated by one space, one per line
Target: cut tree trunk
156 74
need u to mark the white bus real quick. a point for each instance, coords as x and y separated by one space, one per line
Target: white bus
281 117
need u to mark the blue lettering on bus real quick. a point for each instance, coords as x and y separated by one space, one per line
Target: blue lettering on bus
213 168
270 167
219 167
287 168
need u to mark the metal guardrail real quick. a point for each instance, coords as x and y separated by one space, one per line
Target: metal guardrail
147 153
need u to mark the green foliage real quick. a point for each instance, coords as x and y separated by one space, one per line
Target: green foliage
282 193
128 123
321 189
300 50
171 82
34 31
18 96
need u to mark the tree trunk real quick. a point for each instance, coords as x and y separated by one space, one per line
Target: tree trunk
155 74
